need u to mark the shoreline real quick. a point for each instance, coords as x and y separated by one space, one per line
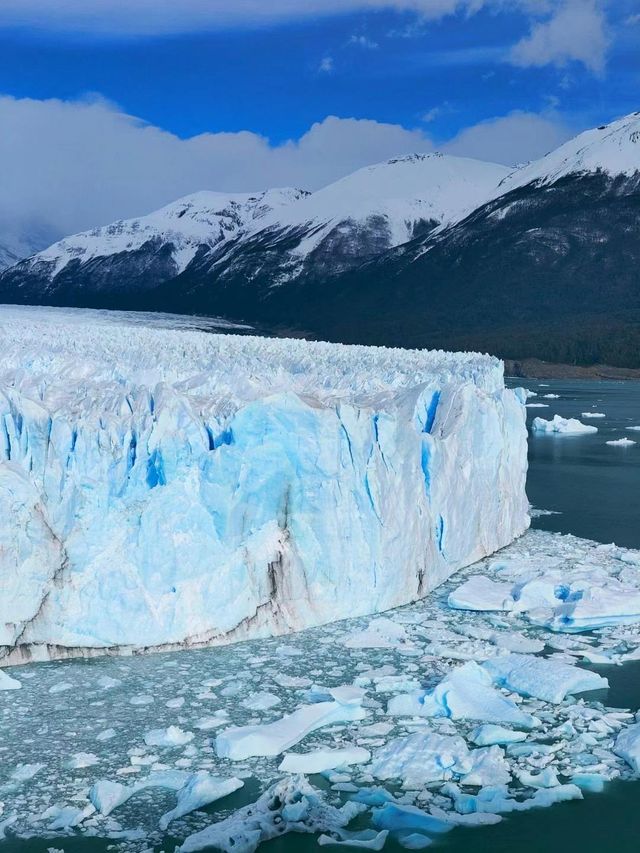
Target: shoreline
535 368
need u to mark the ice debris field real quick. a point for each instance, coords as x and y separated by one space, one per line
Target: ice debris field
172 488
377 732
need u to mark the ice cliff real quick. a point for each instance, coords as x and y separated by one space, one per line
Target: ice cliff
162 487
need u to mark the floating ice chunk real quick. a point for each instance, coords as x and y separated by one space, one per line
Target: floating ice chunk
595 606
537 405
270 739
546 778
415 841
323 759
106 795
551 396
291 805
261 701
171 736
633 428
178 702
562 426
381 633
61 687
482 593
627 746
489 768
205 724
466 693
394 816
200 790
107 683
511 641
366 839
593 415
7 682
107 734
422 758
591 782
142 699
24 772
82 759
542 678
497 800
6 823
66 817
620 442
489 734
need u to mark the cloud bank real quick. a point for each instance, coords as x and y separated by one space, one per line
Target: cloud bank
69 166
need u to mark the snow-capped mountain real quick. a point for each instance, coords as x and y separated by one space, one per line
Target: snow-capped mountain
422 250
611 149
7 257
280 234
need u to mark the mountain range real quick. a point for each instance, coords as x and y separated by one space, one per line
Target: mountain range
421 251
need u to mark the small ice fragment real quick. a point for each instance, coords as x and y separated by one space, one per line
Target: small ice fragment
320 760
551 396
260 701
620 442
381 633
178 702
171 736
143 699
593 415
627 746
422 758
60 687
82 759
200 790
490 734
24 772
482 593
366 839
106 682
7 682
107 734
414 841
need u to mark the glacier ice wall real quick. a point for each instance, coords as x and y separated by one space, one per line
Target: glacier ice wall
163 487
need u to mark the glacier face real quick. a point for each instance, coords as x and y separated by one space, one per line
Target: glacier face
169 487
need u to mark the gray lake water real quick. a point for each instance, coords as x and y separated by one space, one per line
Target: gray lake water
595 491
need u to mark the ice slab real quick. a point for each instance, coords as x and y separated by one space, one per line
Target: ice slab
466 693
542 678
320 760
270 739
291 805
562 426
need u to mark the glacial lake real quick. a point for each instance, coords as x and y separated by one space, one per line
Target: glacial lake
594 489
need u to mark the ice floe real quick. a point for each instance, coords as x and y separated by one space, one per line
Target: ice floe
562 426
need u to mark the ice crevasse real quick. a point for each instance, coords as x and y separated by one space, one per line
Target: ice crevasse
172 487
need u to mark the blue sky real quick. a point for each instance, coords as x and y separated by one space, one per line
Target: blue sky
255 80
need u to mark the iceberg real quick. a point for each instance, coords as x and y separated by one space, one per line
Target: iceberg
466 693
171 487
562 426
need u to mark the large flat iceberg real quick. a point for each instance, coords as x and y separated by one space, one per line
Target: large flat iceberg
172 487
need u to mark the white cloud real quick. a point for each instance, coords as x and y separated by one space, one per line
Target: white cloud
511 139
364 41
68 166
326 64
576 31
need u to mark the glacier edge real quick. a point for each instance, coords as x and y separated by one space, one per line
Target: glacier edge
172 488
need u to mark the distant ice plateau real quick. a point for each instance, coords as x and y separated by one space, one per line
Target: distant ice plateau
170 487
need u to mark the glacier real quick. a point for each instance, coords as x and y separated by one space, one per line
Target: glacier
169 487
